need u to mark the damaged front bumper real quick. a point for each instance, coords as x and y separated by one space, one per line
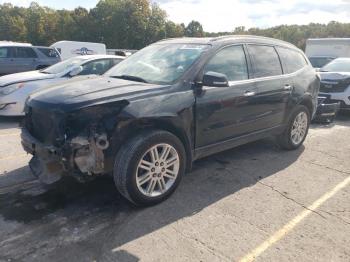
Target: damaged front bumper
326 111
83 157
46 163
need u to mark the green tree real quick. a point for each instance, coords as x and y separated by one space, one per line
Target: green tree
194 29
131 24
174 30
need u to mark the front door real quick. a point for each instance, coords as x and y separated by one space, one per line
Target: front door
7 65
227 112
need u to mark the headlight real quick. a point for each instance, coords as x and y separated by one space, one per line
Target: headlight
10 89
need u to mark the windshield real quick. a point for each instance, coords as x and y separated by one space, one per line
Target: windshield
338 65
158 63
318 62
64 65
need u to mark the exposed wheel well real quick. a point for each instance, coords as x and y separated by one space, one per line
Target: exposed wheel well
307 102
41 67
162 125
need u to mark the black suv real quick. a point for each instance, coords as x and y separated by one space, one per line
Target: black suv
148 118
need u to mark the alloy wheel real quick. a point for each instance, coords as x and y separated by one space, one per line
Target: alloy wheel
299 128
157 170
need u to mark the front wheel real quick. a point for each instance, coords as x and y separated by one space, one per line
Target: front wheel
297 129
149 167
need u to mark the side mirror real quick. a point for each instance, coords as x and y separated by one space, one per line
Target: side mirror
76 71
215 79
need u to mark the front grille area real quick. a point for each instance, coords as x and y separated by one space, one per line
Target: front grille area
44 125
334 87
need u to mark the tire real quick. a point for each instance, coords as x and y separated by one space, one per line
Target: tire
41 67
286 140
130 176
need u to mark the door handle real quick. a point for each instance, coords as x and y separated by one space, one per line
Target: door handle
249 93
287 87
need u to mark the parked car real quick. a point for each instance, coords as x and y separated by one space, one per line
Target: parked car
147 119
321 51
326 111
335 82
320 61
15 88
18 57
69 49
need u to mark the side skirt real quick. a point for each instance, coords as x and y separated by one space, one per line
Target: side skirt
237 141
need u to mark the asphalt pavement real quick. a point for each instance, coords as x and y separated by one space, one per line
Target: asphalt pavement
254 202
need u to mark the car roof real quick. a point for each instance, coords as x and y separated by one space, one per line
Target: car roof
228 39
94 57
9 43
347 59
331 39
322 56
39 46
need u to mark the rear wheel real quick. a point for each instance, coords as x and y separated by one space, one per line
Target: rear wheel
149 167
41 67
297 129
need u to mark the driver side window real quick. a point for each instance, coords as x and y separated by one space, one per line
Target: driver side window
230 61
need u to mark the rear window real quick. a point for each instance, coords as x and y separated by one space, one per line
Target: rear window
318 62
292 60
49 52
4 52
337 65
265 61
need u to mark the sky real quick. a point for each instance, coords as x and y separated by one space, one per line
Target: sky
225 15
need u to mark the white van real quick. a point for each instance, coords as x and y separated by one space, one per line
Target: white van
323 50
70 49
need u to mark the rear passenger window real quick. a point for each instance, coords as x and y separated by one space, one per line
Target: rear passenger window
25 52
292 60
265 61
116 61
230 61
97 67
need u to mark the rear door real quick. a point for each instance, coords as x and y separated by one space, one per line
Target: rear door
25 59
273 89
298 71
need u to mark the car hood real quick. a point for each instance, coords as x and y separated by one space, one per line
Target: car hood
23 77
82 92
334 76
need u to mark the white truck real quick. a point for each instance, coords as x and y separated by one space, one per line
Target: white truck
70 49
321 51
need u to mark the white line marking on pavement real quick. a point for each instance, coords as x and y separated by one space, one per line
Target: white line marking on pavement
13 157
10 134
278 235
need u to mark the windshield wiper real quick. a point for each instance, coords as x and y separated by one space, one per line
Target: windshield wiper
132 78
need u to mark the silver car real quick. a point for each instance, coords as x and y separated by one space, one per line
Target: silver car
15 88
17 57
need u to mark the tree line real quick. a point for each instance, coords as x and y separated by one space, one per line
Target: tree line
130 24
